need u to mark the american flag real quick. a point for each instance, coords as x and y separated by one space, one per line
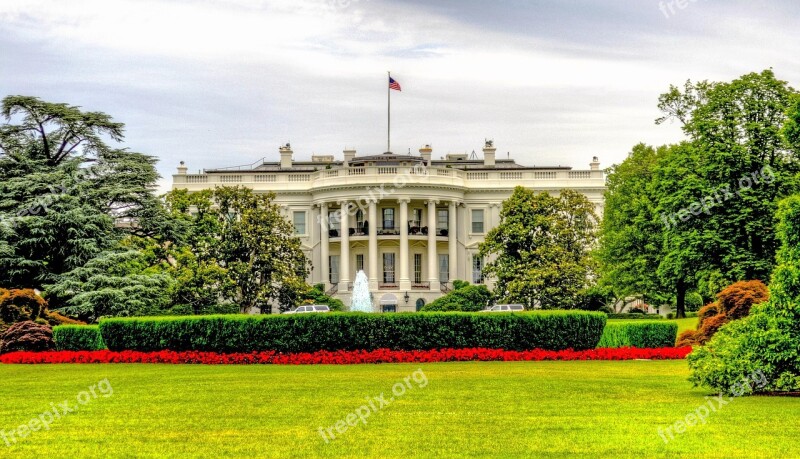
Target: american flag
394 85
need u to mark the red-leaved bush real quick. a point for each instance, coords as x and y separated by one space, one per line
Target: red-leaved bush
343 357
27 336
733 302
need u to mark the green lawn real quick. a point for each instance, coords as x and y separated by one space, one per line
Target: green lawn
478 409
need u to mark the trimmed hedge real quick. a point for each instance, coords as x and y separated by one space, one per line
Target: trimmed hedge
629 315
639 334
551 330
78 338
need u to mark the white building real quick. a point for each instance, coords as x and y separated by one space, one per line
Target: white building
412 223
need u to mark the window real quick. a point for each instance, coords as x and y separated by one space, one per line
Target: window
444 268
477 270
359 262
441 219
389 308
417 268
388 219
299 220
420 304
333 269
359 220
416 216
388 268
333 220
477 221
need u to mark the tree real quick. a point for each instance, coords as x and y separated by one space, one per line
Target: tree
699 215
62 189
116 283
630 236
739 161
540 251
240 247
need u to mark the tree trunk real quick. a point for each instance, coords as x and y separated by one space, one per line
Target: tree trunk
680 301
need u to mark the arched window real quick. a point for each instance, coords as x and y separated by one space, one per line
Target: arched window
420 304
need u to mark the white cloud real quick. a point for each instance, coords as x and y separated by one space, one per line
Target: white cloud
221 83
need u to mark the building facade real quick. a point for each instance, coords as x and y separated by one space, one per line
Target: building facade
413 224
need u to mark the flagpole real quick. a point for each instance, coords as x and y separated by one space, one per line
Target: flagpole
388 114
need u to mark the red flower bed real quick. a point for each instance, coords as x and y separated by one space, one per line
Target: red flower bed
343 357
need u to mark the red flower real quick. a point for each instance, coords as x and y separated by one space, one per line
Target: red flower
342 357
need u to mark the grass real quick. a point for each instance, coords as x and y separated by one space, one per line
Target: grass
475 409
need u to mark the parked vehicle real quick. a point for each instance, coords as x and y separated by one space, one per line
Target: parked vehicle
505 308
311 308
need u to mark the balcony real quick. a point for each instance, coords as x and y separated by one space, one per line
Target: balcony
413 230
420 286
388 286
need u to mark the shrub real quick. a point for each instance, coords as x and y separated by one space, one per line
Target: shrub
20 305
27 336
736 300
625 315
552 330
687 338
733 302
55 318
710 326
78 338
639 334
464 298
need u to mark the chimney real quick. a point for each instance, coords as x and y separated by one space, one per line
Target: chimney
595 164
349 154
286 156
425 152
488 153
182 168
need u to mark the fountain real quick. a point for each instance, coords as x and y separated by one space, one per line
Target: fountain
361 301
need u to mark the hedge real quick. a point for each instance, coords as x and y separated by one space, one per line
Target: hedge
551 330
629 315
78 338
639 334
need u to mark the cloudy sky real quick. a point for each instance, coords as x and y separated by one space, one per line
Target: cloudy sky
221 83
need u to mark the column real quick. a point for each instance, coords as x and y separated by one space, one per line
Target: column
344 255
372 218
324 246
433 272
405 280
452 235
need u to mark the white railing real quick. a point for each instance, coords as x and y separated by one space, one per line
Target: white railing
197 178
510 175
380 174
265 178
230 178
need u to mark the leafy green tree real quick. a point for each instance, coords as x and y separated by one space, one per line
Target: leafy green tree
116 283
238 247
62 189
540 251
630 236
719 190
700 214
